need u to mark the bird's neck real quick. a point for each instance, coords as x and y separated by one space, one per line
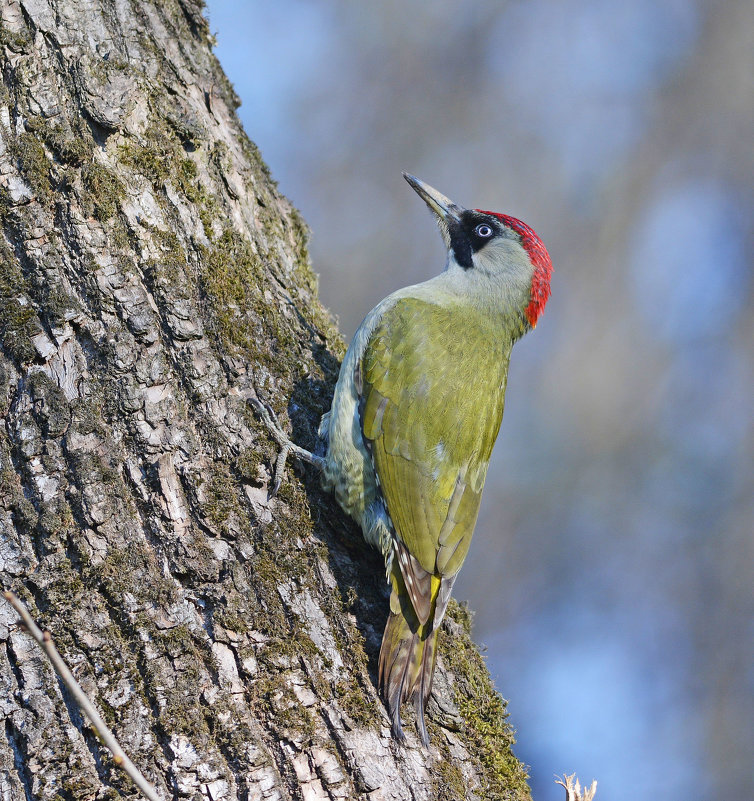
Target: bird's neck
483 299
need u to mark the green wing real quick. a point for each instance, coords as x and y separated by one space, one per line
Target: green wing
433 384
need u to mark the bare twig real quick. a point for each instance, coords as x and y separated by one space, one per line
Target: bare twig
573 788
45 642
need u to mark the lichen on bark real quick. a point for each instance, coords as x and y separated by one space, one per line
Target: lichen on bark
152 279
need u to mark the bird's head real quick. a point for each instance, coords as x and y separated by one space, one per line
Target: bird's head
496 246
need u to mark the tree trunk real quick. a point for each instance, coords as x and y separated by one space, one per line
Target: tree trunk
152 279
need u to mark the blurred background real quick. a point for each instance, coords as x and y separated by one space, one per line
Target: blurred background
613 566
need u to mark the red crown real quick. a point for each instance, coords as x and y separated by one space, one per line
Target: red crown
540 259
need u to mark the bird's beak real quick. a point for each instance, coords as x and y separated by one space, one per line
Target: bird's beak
446 210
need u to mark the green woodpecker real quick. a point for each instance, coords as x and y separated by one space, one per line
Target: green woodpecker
416 411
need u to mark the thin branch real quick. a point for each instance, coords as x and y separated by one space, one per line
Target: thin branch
44 639
573 788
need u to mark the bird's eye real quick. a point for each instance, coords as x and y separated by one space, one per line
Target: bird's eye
483 230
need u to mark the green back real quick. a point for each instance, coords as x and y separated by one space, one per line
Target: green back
433 385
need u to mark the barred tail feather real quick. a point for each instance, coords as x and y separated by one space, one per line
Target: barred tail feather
407 659
399 644
423 681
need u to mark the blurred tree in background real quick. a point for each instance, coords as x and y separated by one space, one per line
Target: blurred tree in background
612 568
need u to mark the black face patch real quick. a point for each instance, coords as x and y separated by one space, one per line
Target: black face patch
459 242
472 233
480 228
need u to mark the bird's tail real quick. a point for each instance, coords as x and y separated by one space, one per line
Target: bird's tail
408 654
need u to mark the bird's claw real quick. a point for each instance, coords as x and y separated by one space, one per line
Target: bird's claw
267 415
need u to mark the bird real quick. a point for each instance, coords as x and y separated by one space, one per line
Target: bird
415 413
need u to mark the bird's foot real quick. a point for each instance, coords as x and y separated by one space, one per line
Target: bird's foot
268 417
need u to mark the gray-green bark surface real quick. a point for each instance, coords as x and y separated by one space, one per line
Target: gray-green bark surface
152 279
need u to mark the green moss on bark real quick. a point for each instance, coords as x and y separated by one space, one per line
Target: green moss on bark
487 734
245 323
71 146
103 191
18 319
222 508
34 164
450 784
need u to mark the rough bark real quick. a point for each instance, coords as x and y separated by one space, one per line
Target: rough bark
152 279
